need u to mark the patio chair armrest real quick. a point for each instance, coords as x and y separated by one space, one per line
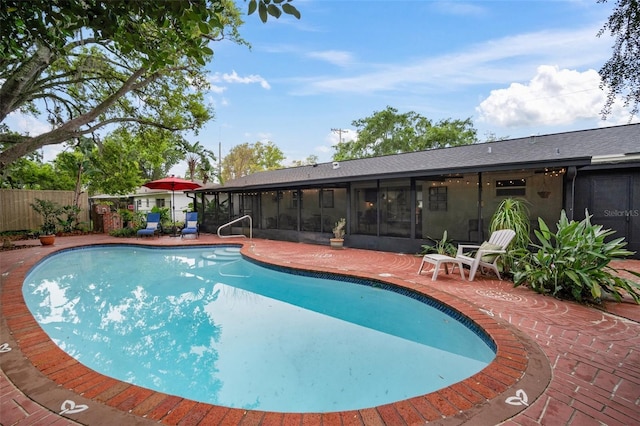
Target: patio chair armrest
501 251
462 247
487 256
482 252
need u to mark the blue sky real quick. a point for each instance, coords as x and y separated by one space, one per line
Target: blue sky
516 68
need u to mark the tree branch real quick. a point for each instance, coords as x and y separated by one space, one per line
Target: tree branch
69 129
22 80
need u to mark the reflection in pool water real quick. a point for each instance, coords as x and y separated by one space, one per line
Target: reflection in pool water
204 324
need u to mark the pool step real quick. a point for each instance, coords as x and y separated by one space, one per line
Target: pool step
223 254
232 249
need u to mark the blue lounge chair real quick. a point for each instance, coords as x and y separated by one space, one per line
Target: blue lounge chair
191 225
153 221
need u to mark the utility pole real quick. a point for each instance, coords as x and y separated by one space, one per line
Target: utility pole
339 132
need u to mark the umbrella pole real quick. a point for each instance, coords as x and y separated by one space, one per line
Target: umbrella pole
173 208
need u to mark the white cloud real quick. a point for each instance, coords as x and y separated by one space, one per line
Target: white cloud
324 153
264 137
27 124
343 135
336 57
217 89
494 61
234 78
459 8
553 97
326 150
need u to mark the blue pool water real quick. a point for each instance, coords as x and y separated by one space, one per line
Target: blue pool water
205 324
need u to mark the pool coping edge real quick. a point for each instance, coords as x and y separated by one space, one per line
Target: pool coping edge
36 368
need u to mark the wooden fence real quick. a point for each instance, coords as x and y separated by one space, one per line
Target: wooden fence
16 213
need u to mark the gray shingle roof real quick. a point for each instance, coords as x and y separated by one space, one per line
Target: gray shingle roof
570 148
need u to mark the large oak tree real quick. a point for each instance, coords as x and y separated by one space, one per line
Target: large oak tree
92 65
621 73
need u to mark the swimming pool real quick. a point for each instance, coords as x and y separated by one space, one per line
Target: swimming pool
214 328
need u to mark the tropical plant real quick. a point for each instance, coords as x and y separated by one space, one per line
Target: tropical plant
198 160
443 246
512 213
338 228
49 211
574 262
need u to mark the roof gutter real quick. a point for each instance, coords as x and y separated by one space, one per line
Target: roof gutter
615 158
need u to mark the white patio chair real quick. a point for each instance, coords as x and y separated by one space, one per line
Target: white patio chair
487 254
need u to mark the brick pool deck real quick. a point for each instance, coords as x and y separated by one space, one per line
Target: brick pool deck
558 362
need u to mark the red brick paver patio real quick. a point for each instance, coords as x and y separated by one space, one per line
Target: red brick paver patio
558 363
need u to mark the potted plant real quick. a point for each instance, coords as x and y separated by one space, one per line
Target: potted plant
337 241
49 211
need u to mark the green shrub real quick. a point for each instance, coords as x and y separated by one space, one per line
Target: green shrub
123 233
49 211
138 220
126 215
83 227
70 220
165 214
574 262
166 224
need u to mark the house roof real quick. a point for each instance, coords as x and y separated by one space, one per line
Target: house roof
578 148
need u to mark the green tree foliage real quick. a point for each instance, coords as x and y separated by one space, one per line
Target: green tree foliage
147 154
71 166
199 162
269 156
87 65
158 150
115 166
312 159
275 8
32 174
388 132
246 159
621 73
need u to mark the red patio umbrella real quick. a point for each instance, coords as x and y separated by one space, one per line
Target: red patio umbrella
174 184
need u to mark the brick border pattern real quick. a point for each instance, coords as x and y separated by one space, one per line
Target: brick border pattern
518 375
